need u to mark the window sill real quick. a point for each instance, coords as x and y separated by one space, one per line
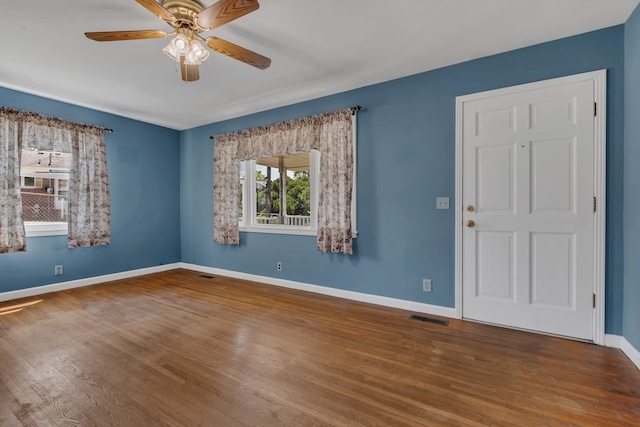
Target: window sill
302 231
38 229
282 230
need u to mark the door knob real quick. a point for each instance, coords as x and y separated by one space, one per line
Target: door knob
470 223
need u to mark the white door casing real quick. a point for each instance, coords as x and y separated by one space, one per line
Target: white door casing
529 161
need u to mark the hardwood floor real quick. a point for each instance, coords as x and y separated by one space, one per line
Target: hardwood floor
178 349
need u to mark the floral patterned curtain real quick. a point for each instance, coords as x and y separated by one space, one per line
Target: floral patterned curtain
226 180
330 133
47 133
12 234
336 185
89 199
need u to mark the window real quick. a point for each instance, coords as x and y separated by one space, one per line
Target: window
45 191
37 159
331 212
280 194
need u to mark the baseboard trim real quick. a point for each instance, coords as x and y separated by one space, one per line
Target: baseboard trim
631 352
616 341
613 341
39 290
610 340
324 290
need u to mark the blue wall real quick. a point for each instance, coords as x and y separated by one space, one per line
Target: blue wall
161 184
406 146
632 181
143 163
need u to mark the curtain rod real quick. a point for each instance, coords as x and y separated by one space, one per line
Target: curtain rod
56 118
354 110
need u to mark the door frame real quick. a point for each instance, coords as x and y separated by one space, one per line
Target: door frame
599 79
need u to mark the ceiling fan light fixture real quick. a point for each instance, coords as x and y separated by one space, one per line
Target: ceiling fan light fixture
171 53
193 52
197 53
180 44
191 60
177 47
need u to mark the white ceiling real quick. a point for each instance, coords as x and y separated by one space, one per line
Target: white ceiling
317 48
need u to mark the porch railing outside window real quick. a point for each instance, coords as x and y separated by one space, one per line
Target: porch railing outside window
40 207
291 220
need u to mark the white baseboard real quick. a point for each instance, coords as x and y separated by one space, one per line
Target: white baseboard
616 341
324 290
631 352
435 310
39 290
613 341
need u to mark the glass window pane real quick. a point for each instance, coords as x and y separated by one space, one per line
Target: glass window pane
45 185
283 181
267 192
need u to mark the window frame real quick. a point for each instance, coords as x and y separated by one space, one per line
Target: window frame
247 221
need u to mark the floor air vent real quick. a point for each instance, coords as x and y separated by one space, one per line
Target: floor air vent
429 320
207 277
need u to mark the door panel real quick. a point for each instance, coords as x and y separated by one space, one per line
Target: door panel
528 176
495 179
552 113
553 270
495 266
552 176
497 121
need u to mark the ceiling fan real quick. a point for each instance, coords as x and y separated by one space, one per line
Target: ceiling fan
189 18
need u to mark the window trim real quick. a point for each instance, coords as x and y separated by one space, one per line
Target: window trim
39 229
247 223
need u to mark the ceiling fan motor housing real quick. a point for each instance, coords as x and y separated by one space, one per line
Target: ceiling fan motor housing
185 12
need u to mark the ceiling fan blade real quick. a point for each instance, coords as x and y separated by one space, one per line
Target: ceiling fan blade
225 11
239 53
110 36
157 9
190 73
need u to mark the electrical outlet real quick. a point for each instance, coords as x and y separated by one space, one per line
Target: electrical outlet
442 203
57 270
426 285
279 266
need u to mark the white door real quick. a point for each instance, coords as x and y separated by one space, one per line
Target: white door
528 203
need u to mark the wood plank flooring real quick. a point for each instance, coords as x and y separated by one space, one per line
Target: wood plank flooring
178 349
